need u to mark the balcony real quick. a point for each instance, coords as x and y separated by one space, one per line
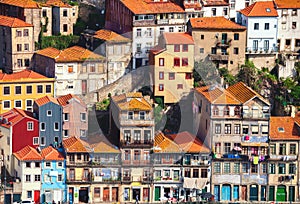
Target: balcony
162 21
84 180
218 57
136 162
261 50
256 114
127 179
106 163
137 143
78 163
248 139
284 157
143 22
224 43
254 178
136 122
146 179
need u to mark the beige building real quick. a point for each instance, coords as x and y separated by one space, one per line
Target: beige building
219 40
17 44
172 62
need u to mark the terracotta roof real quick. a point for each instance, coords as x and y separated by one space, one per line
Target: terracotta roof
28 154
218 95
189 143
64 100
25 74
219 23
260 8
21 3
283 128
57 3
14 116
74 144
46 99
164 145
71 54
156 50
104 147
188 5
110 36
178 38
244 93
132 101
214 3
151 7
281 4
13 22
51 154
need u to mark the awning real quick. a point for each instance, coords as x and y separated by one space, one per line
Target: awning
197 183
255 144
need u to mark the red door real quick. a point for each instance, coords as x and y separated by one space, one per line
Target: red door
37 196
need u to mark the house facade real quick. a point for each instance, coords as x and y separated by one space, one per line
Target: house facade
17 44
219 40
261 20
213 8
143 22
19 90
172 64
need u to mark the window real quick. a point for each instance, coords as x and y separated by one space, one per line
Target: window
161 30
236 168
161 62
213 50
142 115
217 167
37 164
225 12
48 88
28 164
65 12
66 116
83 116
218 128
204 173
214 11
195 173
96 192
267 26
293 149
294 12
202 37
185 61
149 32
37 177
30 126
254 168
227 129
292 168
294 25
282 149
171 76
218 147
226 168
19 33
227 147
28 178
171 29
226 111
236 36
59 164
264 168
271 168
56 126
35 140
66 133
139 47
6 90
59 177
20 62
43 126
130 115
70 69
19 47
179 86
256 26
160 87
29 89
161 75
92 68
236 50
185 48
215 111
26 32
18 90
176 48
281 168
43 142
26 47
29 103
188 75
137 155
29 194
48 164
254 129
201 50
138 32
245 167
44 13
82 133
237 128
6 104
39 88
65 27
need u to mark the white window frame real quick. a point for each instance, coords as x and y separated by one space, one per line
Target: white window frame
29 107
41 126
61 164
48 167
49 112
4 103
129 114
38 140
15 103
82 135
81 118
32 126
144 115
66 135
43 144
54 126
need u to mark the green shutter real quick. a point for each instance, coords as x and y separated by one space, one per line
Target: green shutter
271 193
281 193
157 193
291 193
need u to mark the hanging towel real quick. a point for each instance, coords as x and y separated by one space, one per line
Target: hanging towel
255 159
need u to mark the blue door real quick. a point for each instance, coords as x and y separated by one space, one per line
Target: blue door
226 192
217 193
235 192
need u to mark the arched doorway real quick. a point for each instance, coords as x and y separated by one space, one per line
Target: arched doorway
281 193
254 193
226 192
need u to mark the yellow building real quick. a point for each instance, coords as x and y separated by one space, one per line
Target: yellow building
19 90
173 61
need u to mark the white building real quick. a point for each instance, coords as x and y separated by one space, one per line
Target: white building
237 5
212 8
261 21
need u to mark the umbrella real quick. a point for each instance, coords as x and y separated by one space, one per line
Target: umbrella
236 148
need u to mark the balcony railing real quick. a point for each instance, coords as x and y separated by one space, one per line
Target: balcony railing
136 121
284 157
137 143
261 50
224 43
162 21
258 114
136 162
218 57
143 22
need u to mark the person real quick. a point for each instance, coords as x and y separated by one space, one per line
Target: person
136 199
53 202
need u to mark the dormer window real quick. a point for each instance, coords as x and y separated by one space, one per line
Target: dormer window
215 110
142 115
237 111
268 10
280 129
130 115
226 111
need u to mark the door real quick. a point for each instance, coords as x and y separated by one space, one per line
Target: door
83 195
136 194
236 192
114 194
106 194
263 193
291 193
156 193
271 193
281 193
254 193
244 192
224 38
146 194
71 194
226 192
217 192
36 196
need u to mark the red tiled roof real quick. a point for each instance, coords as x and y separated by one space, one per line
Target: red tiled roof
178 38
21 3
132 101
110 36
74 144
51 154
281 4
49 52
28 154
151 7
260 8
14 116
283 128
188 5
25 74
164 144
64 100
13 22
46 99
157 49
58 3
218 23
189 143
104 147
215 3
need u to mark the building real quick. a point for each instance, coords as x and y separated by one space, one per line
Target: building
193 9
49 114
19 90
27 166
219 40
172 64
116 49
132 124
260 19
234 122
235 6
77 70
75 116
17 44
213 8
53 176
284 159
143 21
28 11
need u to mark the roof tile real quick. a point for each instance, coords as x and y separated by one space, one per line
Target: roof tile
132 101
28 154
284 128
110 36
178 38
74 144
46 99
260 8
25 74
218 23
51 154
13 22
281 4
21 3
164 145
